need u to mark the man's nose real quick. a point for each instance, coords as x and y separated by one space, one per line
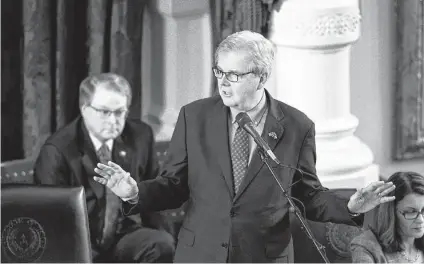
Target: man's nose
225 81
112 118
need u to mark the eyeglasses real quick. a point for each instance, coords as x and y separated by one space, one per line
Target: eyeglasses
231 76
104 113
412 215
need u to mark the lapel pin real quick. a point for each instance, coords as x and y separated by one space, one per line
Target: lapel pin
273 135
122 153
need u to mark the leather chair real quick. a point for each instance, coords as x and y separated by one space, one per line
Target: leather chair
44 224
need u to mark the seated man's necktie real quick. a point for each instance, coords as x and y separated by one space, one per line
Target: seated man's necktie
113 204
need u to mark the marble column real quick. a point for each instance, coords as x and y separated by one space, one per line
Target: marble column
312 73
177 61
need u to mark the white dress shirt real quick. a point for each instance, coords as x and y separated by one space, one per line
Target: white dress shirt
257 114
98 144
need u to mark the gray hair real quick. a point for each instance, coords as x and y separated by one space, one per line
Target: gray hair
111 81
260 49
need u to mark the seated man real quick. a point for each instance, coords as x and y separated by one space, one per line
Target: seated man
103 134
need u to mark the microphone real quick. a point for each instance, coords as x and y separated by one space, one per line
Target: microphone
246 123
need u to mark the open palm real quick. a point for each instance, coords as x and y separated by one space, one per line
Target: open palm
369 197
116 179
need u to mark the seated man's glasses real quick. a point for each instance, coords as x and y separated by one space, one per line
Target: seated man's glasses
105 113
411 215
231 76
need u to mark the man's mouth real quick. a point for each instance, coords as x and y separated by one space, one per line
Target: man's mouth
225 93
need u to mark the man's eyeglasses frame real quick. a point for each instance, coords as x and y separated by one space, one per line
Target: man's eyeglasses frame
105 113
230 76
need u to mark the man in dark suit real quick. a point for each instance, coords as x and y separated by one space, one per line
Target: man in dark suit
236 211
103 134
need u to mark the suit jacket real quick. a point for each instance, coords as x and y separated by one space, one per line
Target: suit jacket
365 248
252 225
68 158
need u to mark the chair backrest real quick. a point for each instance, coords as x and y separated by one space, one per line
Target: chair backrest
335 238
161 148
18 171
172 219
44 224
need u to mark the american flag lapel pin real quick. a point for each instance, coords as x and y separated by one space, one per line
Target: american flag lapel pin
273 135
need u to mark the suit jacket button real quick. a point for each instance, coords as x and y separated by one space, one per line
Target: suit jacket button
224 245
232 214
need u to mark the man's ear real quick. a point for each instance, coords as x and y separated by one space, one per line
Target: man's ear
83 108
264 78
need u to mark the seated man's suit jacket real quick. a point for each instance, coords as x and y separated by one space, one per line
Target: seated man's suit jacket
253 224
68 158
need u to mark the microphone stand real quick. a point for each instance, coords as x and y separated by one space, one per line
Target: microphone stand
294 209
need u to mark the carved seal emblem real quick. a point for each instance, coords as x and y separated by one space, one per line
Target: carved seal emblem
23 240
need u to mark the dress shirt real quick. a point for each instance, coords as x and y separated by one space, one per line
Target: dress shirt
257 114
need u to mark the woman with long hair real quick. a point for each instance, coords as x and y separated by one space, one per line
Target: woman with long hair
396 232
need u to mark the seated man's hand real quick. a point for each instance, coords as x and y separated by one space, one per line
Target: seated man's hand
117 180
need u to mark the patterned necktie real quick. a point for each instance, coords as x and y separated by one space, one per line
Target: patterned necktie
239 156
113 204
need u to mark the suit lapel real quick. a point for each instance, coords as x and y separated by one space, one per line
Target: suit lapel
272 133
122 155
89 160
219 130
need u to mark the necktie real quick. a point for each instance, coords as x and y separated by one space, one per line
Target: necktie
112 207
239 156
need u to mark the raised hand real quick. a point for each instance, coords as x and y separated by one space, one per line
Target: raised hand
116 179
369 197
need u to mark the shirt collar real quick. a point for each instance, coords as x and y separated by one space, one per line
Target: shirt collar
98 144
255 113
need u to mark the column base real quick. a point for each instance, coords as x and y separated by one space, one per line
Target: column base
351 179
162 120
163 132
